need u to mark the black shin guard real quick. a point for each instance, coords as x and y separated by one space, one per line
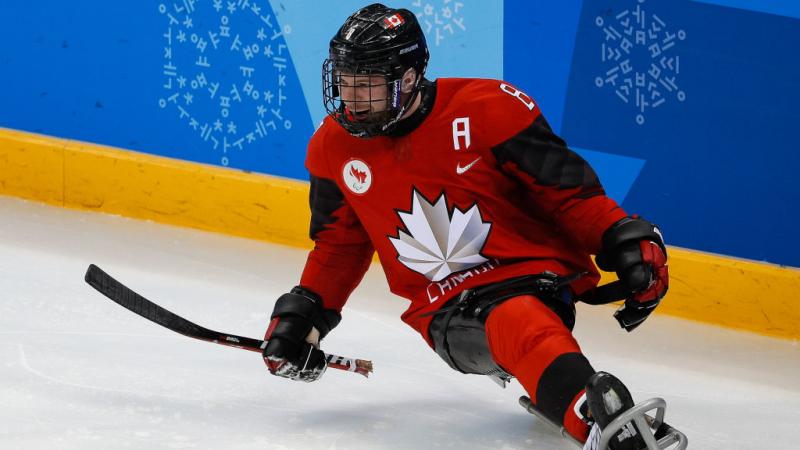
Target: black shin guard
560 382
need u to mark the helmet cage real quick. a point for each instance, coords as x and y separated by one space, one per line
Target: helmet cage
375 123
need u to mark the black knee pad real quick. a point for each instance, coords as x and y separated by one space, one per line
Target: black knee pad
460 340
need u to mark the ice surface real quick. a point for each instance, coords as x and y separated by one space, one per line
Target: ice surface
80 372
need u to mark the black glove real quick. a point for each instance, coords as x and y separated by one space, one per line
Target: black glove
634 249
287 353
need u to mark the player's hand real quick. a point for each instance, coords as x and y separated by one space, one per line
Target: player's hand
298 323
307 364
635 250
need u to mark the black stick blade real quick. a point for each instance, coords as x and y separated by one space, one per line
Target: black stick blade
127 298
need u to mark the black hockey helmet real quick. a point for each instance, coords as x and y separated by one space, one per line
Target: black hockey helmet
375 40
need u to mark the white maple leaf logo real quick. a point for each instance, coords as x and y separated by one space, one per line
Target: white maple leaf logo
437 245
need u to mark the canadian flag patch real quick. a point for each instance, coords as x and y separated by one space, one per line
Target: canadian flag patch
393 21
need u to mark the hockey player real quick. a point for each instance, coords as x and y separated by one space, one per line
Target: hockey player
481 217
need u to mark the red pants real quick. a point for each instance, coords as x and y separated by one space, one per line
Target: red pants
531 342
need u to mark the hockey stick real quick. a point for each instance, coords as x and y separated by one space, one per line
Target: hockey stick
607 293
124 296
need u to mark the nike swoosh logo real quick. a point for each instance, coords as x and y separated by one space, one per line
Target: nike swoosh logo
460 170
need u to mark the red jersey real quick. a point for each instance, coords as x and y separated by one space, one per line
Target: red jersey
478 191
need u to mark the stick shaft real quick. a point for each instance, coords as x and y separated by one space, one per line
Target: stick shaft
127 298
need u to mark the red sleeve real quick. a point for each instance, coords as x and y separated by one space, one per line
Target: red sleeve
342 249
562 185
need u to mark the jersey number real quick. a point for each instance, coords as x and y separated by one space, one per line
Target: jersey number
523 97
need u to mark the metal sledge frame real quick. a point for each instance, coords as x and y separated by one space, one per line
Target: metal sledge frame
637 415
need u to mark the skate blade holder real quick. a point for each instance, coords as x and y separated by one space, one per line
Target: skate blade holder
644 423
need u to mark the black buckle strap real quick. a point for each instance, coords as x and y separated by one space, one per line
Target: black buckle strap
482 298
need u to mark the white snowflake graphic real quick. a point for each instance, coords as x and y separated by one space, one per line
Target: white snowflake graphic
639 60
441 19
225 71
436 244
